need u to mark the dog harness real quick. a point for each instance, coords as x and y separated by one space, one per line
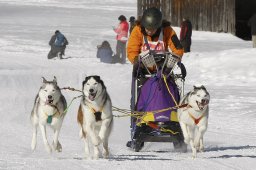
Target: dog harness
97 114
196 121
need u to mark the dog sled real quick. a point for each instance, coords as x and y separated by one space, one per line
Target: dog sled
156 92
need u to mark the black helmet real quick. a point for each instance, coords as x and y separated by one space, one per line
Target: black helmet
132 19
152 18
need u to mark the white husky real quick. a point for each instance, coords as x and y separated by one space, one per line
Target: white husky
193 118
48 110
95 115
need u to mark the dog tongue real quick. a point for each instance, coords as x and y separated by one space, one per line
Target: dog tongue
91 97
200 106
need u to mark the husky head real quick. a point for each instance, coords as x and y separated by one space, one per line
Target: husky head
199 98
93 86
49 92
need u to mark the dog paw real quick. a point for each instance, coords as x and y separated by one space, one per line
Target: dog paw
48 148
59 147
105 154
96 157
33 146
201 149
193 152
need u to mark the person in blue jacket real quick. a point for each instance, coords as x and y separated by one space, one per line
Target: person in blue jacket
105 52
58 45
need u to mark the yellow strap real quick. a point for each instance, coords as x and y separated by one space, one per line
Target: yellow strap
168 130
170 91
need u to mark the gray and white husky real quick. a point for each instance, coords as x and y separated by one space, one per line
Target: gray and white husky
48 110
95 116
193 118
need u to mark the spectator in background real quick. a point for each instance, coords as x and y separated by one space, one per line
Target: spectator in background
58 45
185 34
252 24
104 52
132 23
121 37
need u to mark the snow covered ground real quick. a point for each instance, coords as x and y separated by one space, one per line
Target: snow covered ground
223 63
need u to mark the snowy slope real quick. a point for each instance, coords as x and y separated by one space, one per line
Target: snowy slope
222 62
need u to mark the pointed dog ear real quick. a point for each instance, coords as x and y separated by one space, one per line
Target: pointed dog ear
44 80
97 77
202 87
55 79
83 84
85 80
194 87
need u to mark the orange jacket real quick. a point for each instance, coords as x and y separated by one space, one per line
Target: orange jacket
135 42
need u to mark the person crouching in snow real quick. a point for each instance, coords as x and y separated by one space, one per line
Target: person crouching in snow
58 45
121 37
105 52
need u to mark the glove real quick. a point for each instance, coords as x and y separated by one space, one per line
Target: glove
182 69
172 60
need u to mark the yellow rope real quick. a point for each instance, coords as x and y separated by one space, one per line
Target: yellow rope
168 130
141 115
71 103
169 91
130 112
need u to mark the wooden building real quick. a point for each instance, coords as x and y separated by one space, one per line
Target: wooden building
207 15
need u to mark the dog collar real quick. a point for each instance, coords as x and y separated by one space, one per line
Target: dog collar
49 117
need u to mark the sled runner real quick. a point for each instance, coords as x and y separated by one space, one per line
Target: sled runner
156 95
